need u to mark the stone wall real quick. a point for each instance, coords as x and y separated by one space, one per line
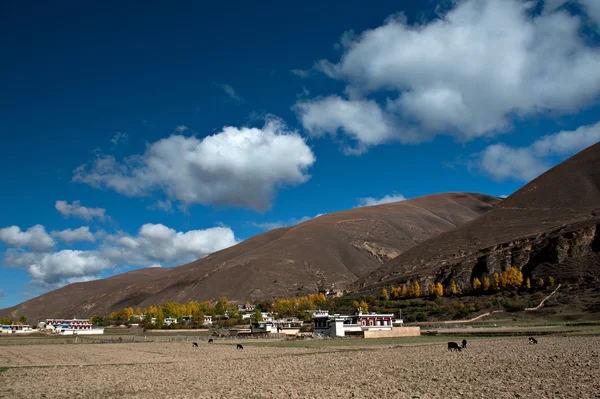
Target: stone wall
395 332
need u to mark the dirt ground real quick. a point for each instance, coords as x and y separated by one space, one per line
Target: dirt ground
558 367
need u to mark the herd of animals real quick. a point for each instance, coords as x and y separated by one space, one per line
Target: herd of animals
452 346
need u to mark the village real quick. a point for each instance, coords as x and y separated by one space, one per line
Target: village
260 324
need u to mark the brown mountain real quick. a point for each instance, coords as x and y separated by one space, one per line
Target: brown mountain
551 226
332 249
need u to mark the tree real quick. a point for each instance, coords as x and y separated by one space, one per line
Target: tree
258 315
160 318
23 319
539 283
440 289
453 289
486 284
551 281
138 311
6 321
364 307
432 290
476 284
197 318
528 283
384 294
404 291
496 282
415 290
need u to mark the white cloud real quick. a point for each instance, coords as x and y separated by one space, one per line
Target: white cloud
35 238
155 244
361 120
165 205
159 243
236 167
81 234
119 138
181 128
301 73
230 91
467 74
370 201
77 210
526 163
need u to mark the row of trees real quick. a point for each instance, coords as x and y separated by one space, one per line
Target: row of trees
297 306
8 321
512 278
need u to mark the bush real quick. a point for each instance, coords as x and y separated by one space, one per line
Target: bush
421 316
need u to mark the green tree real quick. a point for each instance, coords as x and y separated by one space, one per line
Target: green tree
197 319
364 307
23 319
258 315
160 318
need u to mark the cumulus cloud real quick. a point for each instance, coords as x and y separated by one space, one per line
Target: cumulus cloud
158 243
526 163
155 244
386 199
468 74
77 210
237 167
36 238
81 234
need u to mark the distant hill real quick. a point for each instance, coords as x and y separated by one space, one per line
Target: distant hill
332 249
551 226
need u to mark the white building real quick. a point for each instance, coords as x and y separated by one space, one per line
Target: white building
73 327
341 325
15 329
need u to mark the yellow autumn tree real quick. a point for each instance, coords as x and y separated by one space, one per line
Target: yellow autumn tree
453 289
432 290
539 283
496 282
528 283
415 290
551 281
138 311
404 291
486 284
439 289
476 284
384 294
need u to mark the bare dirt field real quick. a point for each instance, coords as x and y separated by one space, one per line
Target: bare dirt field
558 367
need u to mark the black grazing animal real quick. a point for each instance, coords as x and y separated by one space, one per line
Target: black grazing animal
464 344
210 341
453 346
194 344
532 340
239 346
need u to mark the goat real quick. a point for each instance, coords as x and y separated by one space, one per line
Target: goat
239 346
210 341
464 344
532 340
194 344
454 346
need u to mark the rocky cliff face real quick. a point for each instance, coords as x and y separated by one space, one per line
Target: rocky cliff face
570 253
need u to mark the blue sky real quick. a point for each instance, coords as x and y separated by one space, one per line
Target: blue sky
144 135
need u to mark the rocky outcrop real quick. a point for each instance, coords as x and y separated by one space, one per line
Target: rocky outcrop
569 253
